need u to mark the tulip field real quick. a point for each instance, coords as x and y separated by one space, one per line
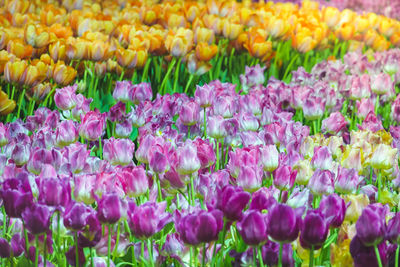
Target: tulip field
199 133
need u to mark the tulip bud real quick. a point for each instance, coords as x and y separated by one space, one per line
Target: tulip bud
190 113
65 98
284 177
188 162
204 95
66 133
371 226
314 230
253 228
231 201
111 208
92 126
118 151
283 223
269 158
37 218
321 183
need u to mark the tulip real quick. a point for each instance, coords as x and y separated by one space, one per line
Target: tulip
17 245
76 215
347 180
122 91
322 158
66 133
71 256
190 113
371 226
92 126
54 192
249 178
253 228
65 98
364 255
231 201
269 157
360 87
304 171
313 108
314 230
262 199
383 157
381 83
200 227
283 223
37 218
16 195
111 208
118 151
333 208
75 157
284 178
148 219
204 95
334 123
321 183
5 248
188 162
248 122
393 229
253 76
13 71
141 92
134 181
205 52
62 74
216 127
364 107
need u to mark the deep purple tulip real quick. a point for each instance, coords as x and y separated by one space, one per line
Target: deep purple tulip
333 208
75 216
91 234
147 219
17 245
111 208
16 195
54 192
253 228
231 201
393 229
365 255
283 223
371 225
262 200
314 230
141 92
200 227
71 256
270 253
5 248
37 218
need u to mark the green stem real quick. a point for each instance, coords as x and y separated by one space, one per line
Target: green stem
109 246
379 181
166 77
21 98
26 239
45 250
217 155
188 83
100 149
91 257
203 260
146 70
311 260
4 222
159 188
177 70
260 258
280 255
122 75
378 256
255 256
205 123
315 127
396 263
192 189
76 250
189 132
115 252
288 69
36 250
376 105
150 251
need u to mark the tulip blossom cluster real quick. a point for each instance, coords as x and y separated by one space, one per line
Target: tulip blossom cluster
46 45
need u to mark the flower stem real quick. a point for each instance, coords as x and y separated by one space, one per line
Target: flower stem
116 241
36 250
203 260
260 258
159 187
109 246
150 251
254 256
21 98
376 105
280 255
396 263
166 77
378 256
379 181
217 155
205 124
311 260
188 83
45 250
177 70
192 189
76 250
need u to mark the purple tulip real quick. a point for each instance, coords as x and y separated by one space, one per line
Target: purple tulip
270 253
284 177
225 106
173 245
253 228
249 178
111 208
231 201
333 208
188 162
334 123
393 229
365 255
322 158
82 106
90 235
360 87
371 225
321 182
269 158
347 180
54 192
21 153
117 112
200 227
190 113
75 216
66 133
141 92
205 152
118 151
381 83
92 126
204 95
134 181
71 259
17 245
313 108
262 200
122 91
17 195
37 218
65 98
123 129
147 219
5 248
4 135
253 76
314 230
364 107
283 223
216 127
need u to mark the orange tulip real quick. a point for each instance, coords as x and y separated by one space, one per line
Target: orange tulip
197 67
18 6
205 52
231 30
257 46
99 50
395 39
370 36
50 15
3 39
179 44
387 27
277 27
36 38
32 76
60 31
346 31
4 58
380 43
18 48
6 105
13 71
192 11
176 21
148 16
131 58
62 74
331 16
